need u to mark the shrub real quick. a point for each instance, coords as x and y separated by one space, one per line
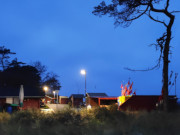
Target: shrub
98 121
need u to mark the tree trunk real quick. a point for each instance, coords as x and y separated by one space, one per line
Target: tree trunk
166 63
165 74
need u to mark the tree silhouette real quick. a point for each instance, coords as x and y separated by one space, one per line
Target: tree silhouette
15 76
51 81
4 56
15 63
125 11
40 67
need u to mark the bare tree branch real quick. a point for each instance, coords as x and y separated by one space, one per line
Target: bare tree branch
148 69
154 9
160 43
156 19
139 15
164 11
167 5
175 12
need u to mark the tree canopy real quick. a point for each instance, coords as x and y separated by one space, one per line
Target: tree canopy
4 56
125 11
49 79
15 76
17 73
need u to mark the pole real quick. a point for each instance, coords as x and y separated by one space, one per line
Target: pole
175 86
176 74
45 98
85 92
54 96
85 85
57 98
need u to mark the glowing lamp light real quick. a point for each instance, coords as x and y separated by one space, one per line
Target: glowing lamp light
83 72
45 88
88 107
54 92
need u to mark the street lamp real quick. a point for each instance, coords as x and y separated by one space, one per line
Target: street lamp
57 92
83 72
45 88
54 95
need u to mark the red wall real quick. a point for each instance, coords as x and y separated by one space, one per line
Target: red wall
64 100
2 101
148 103
92 101
77 102
31 103
48 99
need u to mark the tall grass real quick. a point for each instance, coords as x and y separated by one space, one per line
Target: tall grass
99 121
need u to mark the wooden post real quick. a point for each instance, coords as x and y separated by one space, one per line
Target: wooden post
99 102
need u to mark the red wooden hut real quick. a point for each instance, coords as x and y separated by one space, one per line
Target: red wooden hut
146 102
100 99
76 100
63 99
10 96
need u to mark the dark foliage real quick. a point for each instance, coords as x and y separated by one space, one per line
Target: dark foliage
15 76
4 56
123 11
70 122
51 80
15 63
47 79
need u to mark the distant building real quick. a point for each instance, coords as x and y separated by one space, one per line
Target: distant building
63 100
50 99
10 96
100 99
76 100
145 102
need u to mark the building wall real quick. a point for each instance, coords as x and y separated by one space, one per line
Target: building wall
31 103
76 102
11 100
2 101
48 100
63 100
92 101
108 101
95 101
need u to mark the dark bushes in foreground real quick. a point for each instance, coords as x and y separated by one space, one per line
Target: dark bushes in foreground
100 121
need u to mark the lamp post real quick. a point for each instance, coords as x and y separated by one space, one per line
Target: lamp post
45 88
57 92
54 92
83 72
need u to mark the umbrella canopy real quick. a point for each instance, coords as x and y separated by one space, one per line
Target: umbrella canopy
21 95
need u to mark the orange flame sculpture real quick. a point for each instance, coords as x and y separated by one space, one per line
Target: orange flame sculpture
127 89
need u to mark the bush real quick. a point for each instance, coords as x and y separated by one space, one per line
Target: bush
98 121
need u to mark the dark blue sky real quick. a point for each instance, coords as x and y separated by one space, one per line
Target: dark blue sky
66 37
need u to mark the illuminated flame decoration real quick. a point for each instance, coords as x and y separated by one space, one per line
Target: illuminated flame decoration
127 89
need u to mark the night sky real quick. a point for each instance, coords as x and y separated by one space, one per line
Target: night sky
66 37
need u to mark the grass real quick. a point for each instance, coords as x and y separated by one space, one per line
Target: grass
99 121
